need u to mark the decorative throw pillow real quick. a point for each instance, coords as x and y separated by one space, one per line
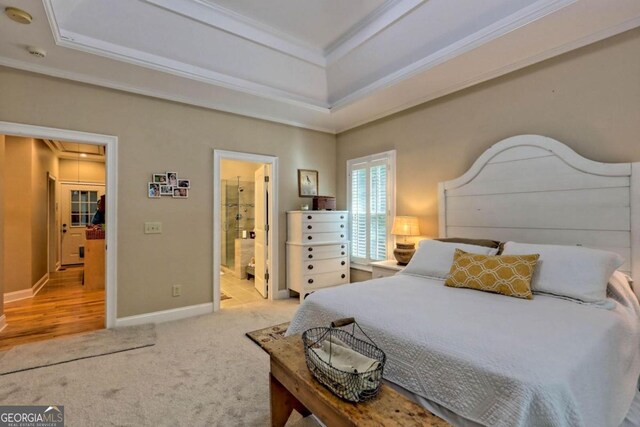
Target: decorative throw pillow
502 274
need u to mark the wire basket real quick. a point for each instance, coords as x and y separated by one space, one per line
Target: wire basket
353 386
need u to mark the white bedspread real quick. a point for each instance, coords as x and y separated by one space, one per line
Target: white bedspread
492 359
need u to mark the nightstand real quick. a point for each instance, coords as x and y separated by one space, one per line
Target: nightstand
385 268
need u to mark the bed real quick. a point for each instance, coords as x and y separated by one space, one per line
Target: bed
476 358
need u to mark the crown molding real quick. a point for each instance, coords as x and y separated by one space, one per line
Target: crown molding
112 84
375 22
500 28
500 71
94 46
227 20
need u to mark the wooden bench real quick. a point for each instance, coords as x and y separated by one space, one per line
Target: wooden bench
293 387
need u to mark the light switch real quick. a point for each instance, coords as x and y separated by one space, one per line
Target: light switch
152 227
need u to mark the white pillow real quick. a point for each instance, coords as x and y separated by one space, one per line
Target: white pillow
570 271
434 258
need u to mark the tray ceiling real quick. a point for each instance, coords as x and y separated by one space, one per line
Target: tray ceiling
322 64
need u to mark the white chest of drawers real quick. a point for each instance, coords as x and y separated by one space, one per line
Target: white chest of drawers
317 250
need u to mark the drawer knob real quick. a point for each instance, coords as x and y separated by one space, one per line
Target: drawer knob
309 217
343 263
310 249
342 236
310 267
341 216
310 256
310 237
342 253
342 246
310 281
341 225
343 276
309 227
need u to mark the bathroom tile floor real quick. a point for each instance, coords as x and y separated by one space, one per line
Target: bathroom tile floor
241 291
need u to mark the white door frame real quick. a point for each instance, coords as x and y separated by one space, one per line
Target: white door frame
273 251
111 143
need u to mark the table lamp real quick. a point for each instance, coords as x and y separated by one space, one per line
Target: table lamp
405 226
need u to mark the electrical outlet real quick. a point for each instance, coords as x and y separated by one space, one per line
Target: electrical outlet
152 228
177 290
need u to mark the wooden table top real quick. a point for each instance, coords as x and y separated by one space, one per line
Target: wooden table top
388 408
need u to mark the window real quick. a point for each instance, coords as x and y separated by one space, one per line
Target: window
83 206
371 201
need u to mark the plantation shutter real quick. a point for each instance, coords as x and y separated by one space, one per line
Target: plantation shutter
370 206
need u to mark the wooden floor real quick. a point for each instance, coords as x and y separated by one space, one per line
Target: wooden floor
62 307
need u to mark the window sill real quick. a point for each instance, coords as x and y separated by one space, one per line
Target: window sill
361 267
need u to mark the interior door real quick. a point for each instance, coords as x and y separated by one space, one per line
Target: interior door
261 228
78 204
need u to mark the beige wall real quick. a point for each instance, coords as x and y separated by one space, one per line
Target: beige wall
589 99
17 216
231 169
27 162
157 135
82 171
43 162
2 166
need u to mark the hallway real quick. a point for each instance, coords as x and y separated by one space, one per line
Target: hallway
62 307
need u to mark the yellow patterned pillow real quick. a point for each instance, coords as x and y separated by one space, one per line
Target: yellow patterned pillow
503 274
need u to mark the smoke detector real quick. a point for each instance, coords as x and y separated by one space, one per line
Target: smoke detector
37 51
18 15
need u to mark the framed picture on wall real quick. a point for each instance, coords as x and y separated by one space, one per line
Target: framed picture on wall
180 193
184 183
307 183
172 178
160 178
153 190
166 190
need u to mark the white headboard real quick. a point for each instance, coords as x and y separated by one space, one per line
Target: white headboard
534 189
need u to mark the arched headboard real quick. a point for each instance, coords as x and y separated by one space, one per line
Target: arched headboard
534 189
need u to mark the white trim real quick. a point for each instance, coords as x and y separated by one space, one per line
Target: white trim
3 322
57 234
214 104
227 20
501 71
390 158
274 213
111 143
381 18
498 29
18 295
27 293
165 315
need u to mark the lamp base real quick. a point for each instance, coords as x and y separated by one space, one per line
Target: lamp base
404 252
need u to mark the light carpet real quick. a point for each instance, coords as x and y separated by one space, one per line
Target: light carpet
203 371
68 349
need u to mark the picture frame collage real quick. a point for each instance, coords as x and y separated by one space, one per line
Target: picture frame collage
168 184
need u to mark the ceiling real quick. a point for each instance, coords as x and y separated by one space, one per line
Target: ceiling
329 65
76 150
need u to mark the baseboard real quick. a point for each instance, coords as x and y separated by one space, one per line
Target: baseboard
26 293
39 284
3 322
166 315
282 294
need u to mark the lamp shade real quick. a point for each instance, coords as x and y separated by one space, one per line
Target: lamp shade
405 226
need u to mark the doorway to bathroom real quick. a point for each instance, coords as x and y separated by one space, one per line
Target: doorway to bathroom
244 229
